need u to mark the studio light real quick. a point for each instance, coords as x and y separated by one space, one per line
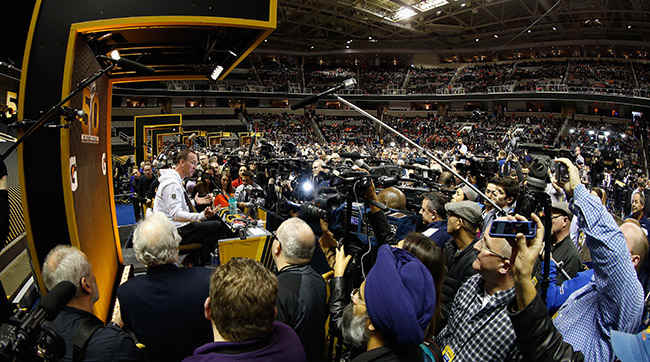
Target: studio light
115 55
232 53
307 187
216 72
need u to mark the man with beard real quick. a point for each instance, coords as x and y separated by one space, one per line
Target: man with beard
389 323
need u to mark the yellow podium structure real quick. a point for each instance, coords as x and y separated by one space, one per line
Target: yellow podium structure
66 172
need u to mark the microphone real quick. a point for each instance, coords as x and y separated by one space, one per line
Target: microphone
129 64
359 163
350 82
57 298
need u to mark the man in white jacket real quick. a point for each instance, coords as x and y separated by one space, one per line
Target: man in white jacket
173 201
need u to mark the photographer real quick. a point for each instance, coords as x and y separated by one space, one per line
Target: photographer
76 323
249 194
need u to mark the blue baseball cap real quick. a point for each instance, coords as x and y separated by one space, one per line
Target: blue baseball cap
631 347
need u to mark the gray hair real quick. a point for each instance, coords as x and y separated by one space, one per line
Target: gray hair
156 240
65 263
353 327
297 239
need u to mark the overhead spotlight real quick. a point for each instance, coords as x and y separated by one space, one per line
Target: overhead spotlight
463 5
629 27
115 55
266 40
529 31
370 38
476 40
232 53
496 36
349 41
347 47
572 131
311 47
555 28
216 72
438 12
623 135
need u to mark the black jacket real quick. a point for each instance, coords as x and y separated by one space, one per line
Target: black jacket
537 338
459 269
386 354
302 304
107 344
164 308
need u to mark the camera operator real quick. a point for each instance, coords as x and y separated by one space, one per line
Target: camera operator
249 194
86 338
613 299
146 185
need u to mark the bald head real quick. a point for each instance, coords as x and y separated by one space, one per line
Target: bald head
297 240
636 241
393 198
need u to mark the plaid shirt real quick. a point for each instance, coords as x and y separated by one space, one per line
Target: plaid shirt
613 299
476 332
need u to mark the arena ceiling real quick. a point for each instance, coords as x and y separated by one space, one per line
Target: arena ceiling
325 26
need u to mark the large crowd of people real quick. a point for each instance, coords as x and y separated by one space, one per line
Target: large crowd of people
457 289
600 75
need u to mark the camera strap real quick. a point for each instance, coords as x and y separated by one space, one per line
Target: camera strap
87 327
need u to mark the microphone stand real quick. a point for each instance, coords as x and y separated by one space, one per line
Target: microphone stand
56 109
427 152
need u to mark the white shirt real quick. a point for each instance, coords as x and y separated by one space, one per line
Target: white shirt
170 200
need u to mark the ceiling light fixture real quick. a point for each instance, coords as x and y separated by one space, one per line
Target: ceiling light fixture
404 12
427 5
216 72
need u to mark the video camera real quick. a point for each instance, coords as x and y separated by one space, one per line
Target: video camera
26 336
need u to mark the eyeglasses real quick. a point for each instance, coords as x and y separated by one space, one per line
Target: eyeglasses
355 296
484 246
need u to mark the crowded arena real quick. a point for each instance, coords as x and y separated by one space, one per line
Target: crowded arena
306 180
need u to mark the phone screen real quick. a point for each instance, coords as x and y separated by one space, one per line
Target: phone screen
511 228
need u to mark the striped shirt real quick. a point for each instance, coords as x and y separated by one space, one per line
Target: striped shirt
613 299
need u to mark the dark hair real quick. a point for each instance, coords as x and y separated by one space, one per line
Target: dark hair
227 174
243 294
510 186
431 255
438 202
183 155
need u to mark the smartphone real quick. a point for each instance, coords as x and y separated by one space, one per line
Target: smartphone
509 229
561 173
